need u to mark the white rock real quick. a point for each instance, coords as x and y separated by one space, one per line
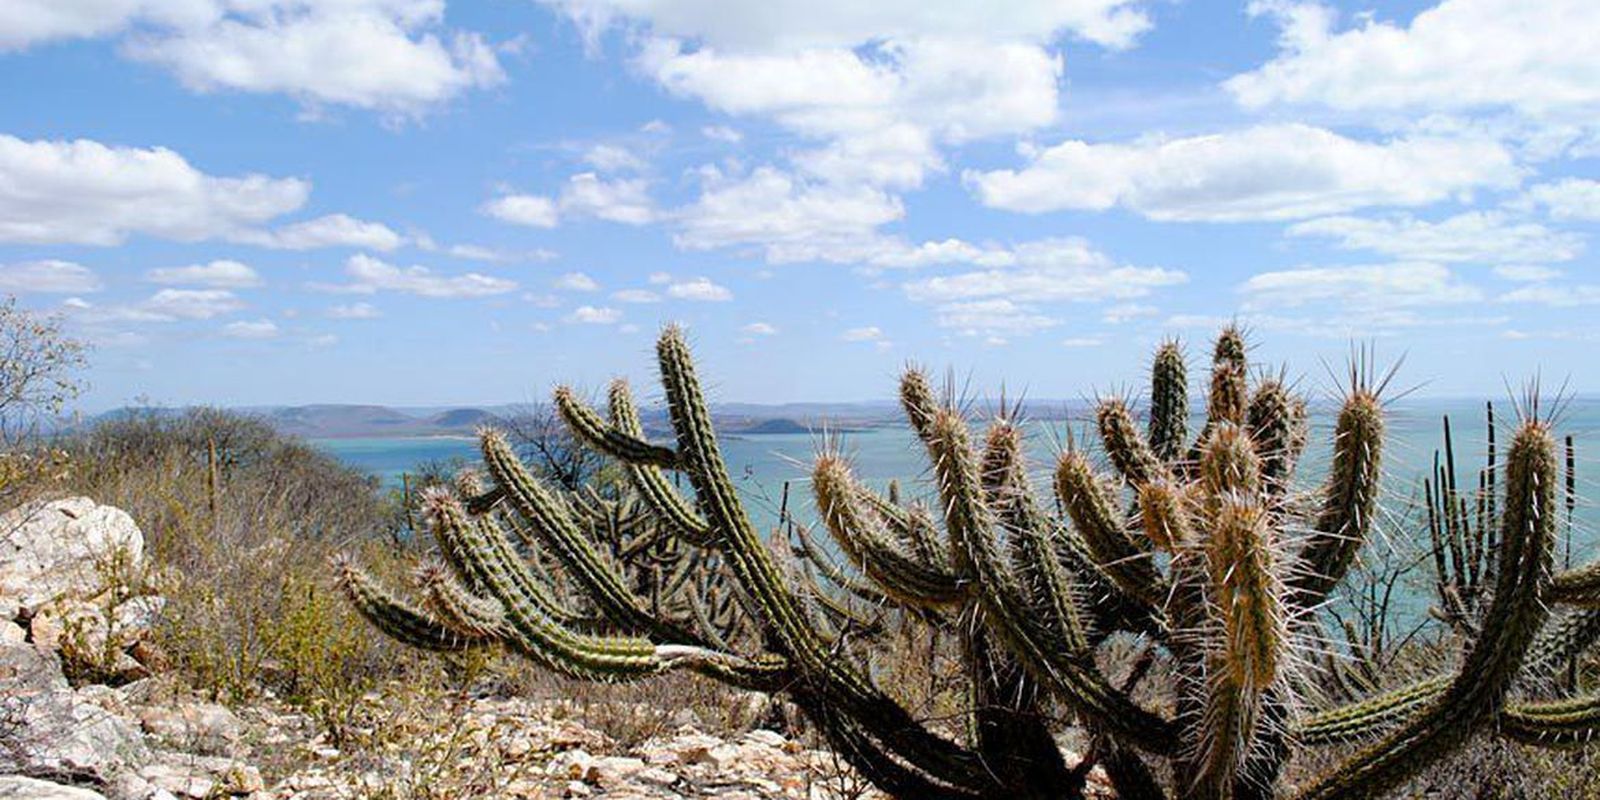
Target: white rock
72 547
17 787
55 733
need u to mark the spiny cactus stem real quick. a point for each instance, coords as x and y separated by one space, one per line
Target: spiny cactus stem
1169 402
622 445
1477 693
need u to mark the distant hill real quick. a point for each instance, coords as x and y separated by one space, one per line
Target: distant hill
349 421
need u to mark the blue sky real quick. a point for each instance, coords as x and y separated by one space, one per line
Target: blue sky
421 202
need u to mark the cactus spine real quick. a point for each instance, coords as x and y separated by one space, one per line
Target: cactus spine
1202 545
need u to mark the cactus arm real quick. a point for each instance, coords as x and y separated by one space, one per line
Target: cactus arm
1476 696
396 618
1230 379
1369 717
1577 587
1563 723
550 519
779 611
652 484
1115 553
1350 500
1272 423
1045 583
866 544
1169 402
971 526
1572 634
455 607
913 526
1246 608
1130 454
592 429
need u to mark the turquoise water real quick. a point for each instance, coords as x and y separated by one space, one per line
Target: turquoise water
761 464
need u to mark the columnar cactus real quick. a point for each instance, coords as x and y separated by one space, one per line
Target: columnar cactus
1204 546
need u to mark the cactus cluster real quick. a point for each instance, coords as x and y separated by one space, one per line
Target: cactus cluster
1202 546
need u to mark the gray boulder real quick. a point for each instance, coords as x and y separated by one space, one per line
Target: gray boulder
18 787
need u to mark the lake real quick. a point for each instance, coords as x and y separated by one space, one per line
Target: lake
760 464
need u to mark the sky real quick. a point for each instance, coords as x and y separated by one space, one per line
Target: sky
421 202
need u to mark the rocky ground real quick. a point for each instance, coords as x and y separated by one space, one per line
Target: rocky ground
74 592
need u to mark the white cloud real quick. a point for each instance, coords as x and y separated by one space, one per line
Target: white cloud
48 276
257 329
799 24
700 289
869 333
1526 273
880 110
1552 295
393 56
611 158
576 282
636 296
722 133
1569 198
624 200
1127 312
1048 270
993 318
332 230
220 274
1535 57
1360 288
1474 236
759 329
191 303
1003 298
1082 341
791 219
659 278
354 311
523 209
593 315
85 192
1280 171
369 275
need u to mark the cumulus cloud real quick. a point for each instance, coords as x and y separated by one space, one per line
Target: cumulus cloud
594 315
636 296
170 304
251 329
369 275
220 274
85 192
332 230
1568 199
523 209
789 218
354 311
49 276
759 329
1375 286
868 333
395 56
799 24
1267 172
611 158
700 289
624 200
576 282
1474 236
1458 55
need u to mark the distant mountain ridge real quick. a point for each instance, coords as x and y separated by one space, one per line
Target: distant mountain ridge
355 420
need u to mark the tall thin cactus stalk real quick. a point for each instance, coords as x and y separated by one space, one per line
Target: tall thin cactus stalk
1208 547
